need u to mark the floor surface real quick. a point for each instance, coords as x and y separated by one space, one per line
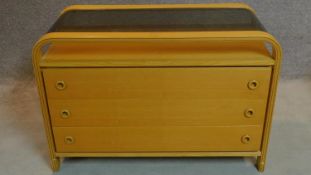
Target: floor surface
23 147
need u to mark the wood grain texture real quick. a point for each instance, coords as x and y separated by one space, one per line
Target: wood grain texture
158 83
156 139
157 96
177 52
166 154
156 112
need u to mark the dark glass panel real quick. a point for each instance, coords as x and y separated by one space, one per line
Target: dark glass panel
157 20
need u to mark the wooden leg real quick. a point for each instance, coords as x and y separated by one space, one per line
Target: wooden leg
55 163
261 163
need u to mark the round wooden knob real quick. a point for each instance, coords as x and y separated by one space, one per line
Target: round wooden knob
246 139
253 84
60 85
249 113
69 140
65 113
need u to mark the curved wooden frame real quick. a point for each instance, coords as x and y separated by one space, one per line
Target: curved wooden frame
154 6
208 36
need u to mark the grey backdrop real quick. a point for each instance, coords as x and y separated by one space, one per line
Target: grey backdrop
23 21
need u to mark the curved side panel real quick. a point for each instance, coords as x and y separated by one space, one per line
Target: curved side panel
54 161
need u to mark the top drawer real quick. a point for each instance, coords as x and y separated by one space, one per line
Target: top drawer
158 83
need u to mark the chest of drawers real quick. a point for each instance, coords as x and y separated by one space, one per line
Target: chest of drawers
157 80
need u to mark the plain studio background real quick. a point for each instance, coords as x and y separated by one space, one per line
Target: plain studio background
23 147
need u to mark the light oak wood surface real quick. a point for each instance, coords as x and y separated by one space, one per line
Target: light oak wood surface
181 154
161 139
157 83
157 96
170 52
156 112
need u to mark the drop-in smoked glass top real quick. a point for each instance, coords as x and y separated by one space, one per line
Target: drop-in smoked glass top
152 20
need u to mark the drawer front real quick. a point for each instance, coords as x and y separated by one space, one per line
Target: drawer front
148 112
157 139
157 96
157 83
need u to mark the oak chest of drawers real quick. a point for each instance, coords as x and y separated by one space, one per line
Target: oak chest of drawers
157 80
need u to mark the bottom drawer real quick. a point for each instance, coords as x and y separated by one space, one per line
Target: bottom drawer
157 139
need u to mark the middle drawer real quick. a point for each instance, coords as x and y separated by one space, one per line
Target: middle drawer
144 112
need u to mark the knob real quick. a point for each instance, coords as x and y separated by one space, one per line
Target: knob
65 113
60 85
253 84
69 140
249 113
246 139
